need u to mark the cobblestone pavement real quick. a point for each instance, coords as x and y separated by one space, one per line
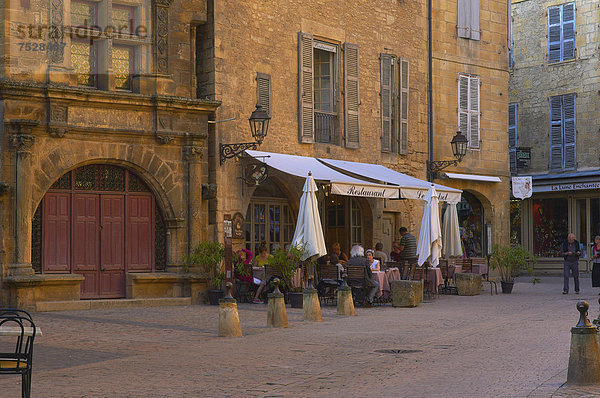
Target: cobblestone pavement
482 346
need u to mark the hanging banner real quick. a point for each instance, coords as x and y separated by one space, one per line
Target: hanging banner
367 191
521 187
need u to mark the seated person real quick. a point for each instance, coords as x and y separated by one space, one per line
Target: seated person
358 258
335 249
379 253
260 261
333 260
396 254
372 262
242 260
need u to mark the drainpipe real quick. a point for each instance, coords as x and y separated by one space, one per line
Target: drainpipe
429 85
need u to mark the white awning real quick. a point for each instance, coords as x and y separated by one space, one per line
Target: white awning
473 177
341 184
410 187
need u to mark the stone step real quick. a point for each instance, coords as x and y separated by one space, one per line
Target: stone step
45 306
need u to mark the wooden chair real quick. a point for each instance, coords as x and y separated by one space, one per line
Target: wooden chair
328 281
20 360
270 274
357 276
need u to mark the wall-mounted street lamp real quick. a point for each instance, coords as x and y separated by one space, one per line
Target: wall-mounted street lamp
259 125
459 150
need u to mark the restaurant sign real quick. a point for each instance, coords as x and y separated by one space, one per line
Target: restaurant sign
367 191
421 193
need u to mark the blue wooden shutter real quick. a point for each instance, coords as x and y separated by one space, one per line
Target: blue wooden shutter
387 104
554 34
512 136
568 31
569 131
306 132
351 96
556 133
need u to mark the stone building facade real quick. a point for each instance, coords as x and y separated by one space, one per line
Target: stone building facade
103 150
470 94
554 87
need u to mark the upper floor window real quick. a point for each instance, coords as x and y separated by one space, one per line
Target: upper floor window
561 32
467 24
468 108
563 132
512 136
394 96
318 92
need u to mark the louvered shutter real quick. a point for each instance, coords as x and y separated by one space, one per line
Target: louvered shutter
306 116
351 96
263 91
556 135
474 20
462 21
386 74
554 34
403 96
510 34
512 136
474 112
568 31
569 131
463 105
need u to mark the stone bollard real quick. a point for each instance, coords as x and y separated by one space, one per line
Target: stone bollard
345 304
596 321
276 314
229 321
311 309
584 356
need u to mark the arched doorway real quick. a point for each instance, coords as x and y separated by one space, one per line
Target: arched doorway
100 221
470 220
269 219
343 221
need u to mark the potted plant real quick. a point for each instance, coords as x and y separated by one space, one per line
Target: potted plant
207 256
510 261
288 262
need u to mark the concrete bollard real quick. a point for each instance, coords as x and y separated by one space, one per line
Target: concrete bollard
345 304
584 356
229 321
276 313
311 309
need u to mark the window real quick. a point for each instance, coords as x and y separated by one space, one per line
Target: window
83 60
563 130
550 226
394 104
123 19
468 108
355 224
561 32
83 14
467 23
512 136
318 92
122 65
269 221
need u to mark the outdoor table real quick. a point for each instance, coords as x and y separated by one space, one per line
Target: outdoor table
393 274
384 284
16 331
434 276
259 273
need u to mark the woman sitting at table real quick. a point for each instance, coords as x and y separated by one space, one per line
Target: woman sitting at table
372 262
335 249
260 261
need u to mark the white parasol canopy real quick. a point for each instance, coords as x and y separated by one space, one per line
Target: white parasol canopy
430 235
309 232
451 232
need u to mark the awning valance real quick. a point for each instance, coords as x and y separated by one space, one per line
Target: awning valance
473 177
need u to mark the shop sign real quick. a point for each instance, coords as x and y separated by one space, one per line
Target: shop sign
523 158
367 191
415 193
576 186
521 187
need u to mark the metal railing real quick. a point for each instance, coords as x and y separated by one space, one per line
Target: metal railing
325 127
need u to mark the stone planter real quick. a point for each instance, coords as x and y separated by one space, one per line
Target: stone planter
468 284
406 293
295 299
214 296
507 287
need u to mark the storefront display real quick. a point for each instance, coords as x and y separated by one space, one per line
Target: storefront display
550 226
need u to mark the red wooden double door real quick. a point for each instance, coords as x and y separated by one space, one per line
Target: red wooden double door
98 235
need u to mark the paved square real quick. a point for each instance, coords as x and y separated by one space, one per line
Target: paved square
481 346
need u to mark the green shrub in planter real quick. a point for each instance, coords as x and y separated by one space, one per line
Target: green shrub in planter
510 261
208 257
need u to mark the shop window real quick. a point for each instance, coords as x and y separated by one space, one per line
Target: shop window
515 221
355 224
270 222
470 219
550 226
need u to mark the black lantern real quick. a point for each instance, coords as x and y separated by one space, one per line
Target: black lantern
459 145
259 125
459 150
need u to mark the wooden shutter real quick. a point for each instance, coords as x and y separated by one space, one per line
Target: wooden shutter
474 20
568 31
462 20
306 116
463 105
403 96
569 131
474 136
512 135
56 232
386 62
263 91
140 253
351 96
554 34
556 135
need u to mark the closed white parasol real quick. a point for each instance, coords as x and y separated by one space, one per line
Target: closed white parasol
309 232
429 247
